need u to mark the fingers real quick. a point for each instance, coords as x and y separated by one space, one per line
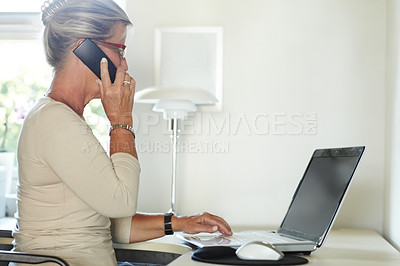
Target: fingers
206 228
216 221
105 75
117 98
120 76
127 81
205 222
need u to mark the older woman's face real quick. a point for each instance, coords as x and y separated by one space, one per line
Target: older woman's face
113 52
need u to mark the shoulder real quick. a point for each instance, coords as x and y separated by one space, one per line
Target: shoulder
47 108
49 116
49 113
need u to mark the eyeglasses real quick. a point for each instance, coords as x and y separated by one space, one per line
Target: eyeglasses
116 47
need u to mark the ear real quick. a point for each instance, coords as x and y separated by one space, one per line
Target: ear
74 58
77 43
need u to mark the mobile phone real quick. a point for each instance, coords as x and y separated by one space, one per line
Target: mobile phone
90 54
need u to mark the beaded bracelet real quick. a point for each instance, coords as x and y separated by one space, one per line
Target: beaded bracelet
127 127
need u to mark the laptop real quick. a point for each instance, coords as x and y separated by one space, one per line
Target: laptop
312 211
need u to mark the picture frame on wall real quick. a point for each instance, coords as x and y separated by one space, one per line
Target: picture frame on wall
190 57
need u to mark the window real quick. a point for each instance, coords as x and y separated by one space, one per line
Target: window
21 6
23 79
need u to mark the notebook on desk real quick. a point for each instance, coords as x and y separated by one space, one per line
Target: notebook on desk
312 211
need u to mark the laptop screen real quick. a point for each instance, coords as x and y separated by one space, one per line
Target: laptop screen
320 193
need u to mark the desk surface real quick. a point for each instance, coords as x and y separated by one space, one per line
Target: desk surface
345 247
342 247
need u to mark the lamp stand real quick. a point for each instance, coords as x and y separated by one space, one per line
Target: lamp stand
174 111
174 129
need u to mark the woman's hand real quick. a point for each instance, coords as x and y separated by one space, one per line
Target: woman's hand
149 226
117 98
203 222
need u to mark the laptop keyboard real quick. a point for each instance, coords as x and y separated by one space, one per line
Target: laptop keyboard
244 237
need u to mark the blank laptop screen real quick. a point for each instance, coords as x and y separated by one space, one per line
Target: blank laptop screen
320 193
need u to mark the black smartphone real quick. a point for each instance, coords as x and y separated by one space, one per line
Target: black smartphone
90 54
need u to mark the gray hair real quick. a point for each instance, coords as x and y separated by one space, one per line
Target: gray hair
78 19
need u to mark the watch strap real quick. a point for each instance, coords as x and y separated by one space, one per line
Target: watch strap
168 224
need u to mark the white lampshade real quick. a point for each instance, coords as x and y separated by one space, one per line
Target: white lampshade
174 102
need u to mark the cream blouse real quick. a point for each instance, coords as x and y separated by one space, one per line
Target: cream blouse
69 188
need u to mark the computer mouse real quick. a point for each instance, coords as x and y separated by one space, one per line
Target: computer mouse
257 250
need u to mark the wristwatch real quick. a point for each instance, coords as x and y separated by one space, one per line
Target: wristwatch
167 224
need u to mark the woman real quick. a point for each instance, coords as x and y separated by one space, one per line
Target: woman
73 198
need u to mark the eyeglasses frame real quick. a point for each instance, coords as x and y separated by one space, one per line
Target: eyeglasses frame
117 47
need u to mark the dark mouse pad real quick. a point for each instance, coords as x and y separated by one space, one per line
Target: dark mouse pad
227 255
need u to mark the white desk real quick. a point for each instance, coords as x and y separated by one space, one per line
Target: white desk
344 247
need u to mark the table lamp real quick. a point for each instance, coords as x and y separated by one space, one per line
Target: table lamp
175 104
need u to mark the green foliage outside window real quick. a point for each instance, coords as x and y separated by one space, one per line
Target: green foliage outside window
16 98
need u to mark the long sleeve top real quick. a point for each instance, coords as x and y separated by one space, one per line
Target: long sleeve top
69 188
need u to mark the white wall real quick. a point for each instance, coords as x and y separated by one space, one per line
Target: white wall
283 59
392 211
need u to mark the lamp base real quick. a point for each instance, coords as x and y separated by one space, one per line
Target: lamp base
172 212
